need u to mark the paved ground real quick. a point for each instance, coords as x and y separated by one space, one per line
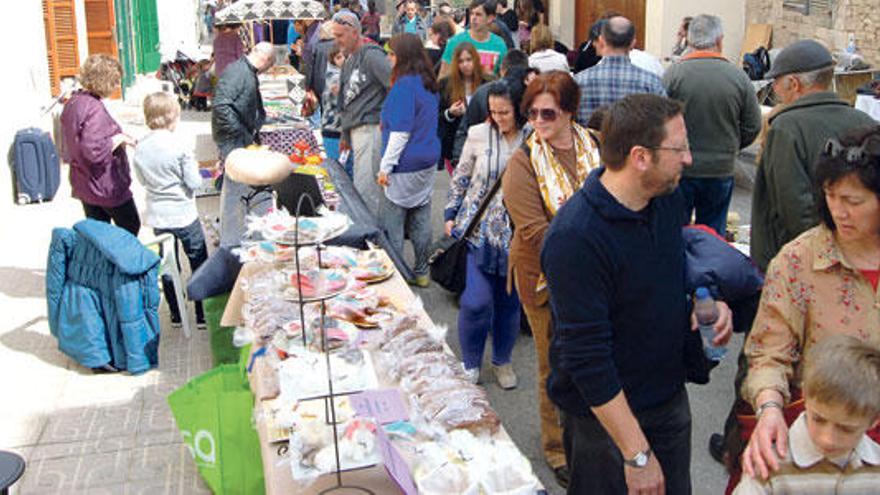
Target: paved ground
87 433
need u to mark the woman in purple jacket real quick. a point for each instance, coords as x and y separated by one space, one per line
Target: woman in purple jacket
94 147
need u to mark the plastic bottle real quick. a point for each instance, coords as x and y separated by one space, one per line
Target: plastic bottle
851 43
707 315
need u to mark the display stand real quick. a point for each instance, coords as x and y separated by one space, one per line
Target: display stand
329 399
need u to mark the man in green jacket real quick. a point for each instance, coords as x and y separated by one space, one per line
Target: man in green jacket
722 117
784 198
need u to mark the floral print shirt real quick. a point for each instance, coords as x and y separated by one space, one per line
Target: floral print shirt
811 291
483 158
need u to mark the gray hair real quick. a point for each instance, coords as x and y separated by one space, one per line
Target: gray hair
264 48
819 77
704 31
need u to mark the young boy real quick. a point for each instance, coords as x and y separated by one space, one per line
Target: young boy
170 174
828 450
331 128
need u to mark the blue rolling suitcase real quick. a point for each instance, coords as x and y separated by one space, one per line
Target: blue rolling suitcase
36 166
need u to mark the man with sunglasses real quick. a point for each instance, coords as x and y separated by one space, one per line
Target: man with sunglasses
364 83
614 261
783 200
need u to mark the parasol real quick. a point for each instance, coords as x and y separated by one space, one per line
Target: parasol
262 10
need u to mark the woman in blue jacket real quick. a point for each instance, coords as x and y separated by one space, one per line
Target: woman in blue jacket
411 150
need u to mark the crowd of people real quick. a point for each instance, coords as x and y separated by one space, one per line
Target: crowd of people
583 181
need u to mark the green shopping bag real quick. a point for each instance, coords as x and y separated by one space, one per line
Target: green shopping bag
221 337
213 412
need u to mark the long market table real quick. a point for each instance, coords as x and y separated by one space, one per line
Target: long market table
276 470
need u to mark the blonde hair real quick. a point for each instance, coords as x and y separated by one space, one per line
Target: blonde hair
100 74
844 370
160 110
541 38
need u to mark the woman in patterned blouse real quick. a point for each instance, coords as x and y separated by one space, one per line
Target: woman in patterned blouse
486 304
822 283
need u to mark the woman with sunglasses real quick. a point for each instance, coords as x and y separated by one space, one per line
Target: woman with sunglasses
486 304
822 283
456 88
411 150
547 170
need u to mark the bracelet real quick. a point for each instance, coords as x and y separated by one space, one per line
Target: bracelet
767 405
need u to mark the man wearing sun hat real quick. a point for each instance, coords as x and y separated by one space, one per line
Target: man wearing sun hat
783 200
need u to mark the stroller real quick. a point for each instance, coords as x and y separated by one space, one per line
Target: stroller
191 80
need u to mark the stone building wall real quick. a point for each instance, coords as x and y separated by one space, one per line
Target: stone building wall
860 17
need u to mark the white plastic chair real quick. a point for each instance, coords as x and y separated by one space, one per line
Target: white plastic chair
164 244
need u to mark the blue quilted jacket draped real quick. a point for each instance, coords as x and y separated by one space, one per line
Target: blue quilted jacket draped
103 297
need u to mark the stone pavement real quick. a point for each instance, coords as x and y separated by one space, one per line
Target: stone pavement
88 433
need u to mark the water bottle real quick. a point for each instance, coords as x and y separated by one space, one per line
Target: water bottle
851 43
707 315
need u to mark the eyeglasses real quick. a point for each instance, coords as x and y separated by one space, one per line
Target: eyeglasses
546 114
344 20
682 149
852 154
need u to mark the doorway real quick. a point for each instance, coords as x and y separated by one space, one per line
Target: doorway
588 11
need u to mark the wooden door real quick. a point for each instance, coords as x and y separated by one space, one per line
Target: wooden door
588 12
59 21
101 27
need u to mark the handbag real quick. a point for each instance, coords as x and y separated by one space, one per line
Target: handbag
448 260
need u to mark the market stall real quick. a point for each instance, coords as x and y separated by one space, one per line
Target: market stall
354 385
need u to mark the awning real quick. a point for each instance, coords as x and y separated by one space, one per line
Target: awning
262 10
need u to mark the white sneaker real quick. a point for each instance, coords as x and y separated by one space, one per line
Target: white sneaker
505 376
472 375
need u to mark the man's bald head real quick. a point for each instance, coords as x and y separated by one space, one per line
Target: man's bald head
619 33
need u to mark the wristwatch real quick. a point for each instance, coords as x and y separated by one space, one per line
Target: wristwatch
765 406
639 460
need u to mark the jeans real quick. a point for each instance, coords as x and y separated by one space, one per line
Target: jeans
234 209
124 216
193 239
415 223
486 306
710 197
596 464
331 146
366 147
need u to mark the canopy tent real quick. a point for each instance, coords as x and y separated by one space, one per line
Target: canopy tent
263 10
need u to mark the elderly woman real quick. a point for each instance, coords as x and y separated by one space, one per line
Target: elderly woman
822 283
542 175
94 146
486 304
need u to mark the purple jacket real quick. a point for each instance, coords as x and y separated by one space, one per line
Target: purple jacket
99 175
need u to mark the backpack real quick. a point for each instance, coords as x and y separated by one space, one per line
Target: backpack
756 63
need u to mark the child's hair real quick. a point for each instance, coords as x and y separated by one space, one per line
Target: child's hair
844 370
161 110
334 51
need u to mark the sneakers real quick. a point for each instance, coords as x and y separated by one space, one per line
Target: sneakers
472 374
422 281
505 376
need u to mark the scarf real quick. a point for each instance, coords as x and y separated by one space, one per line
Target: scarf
555 184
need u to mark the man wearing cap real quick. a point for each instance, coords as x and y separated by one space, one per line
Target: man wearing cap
722 116
364 82
783 201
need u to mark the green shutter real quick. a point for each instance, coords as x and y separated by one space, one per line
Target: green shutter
146 25
125 45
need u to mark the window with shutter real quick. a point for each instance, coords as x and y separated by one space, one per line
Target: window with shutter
59 20
100 25
808 7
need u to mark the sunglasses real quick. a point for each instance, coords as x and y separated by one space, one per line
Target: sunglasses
546 114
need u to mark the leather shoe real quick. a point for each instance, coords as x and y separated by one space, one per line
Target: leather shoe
562 476
717 449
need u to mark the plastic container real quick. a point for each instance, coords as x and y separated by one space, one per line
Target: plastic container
707 315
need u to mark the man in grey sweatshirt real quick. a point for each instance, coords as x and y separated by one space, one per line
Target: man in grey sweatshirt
722 117
364 82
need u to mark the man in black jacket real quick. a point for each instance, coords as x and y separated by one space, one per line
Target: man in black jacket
236 118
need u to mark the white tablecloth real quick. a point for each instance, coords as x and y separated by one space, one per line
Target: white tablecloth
869 105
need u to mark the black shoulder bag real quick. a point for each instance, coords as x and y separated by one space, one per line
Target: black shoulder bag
449 255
